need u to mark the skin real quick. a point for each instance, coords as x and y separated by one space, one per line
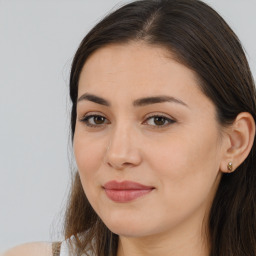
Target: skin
181 155
33 249
180 158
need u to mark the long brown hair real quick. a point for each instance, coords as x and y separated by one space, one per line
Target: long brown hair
200 39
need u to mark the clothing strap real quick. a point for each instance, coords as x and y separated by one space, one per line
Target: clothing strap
56 248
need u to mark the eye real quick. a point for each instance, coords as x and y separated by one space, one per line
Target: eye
159 121
94 120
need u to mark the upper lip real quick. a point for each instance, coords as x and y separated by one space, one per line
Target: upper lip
125 185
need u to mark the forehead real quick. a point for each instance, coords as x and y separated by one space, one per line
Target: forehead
135 68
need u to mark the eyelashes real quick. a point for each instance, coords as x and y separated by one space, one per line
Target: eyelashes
159 121
94 120
155 121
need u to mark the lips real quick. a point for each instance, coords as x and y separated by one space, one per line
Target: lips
125 191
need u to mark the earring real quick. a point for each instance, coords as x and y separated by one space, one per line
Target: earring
230 167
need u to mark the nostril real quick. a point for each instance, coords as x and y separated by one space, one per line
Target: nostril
119 165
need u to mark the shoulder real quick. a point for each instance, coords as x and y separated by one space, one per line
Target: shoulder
30 249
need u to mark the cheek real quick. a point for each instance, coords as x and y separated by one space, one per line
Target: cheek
186 163
89 156
186 170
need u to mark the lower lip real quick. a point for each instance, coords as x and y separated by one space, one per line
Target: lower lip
123 196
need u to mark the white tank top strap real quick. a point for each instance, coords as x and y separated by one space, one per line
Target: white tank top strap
64 249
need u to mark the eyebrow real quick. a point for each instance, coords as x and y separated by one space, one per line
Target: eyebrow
137 103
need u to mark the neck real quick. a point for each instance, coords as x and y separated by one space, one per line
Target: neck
191 246
186 240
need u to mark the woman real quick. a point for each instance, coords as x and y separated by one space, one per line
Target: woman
163 127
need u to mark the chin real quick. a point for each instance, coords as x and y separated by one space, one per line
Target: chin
128 227
129 231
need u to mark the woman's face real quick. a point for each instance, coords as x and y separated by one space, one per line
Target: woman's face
146 142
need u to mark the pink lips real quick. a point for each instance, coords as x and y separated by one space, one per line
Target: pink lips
125 191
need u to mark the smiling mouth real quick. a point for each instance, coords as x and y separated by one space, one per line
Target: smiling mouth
125 191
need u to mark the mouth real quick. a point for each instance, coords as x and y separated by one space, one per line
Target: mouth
125 191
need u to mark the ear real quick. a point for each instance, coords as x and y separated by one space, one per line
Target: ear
239 141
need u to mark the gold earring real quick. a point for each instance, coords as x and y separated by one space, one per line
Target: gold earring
230 167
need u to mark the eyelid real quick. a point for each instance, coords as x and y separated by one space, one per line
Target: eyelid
91 113
159 114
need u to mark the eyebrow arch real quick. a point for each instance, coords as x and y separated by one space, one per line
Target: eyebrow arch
137 103
94 98
157 99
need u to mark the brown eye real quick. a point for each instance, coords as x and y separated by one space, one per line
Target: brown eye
94 120
158 121
99 119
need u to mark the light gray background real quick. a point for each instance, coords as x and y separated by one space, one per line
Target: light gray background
37 42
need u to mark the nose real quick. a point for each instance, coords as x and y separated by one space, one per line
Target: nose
123 148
